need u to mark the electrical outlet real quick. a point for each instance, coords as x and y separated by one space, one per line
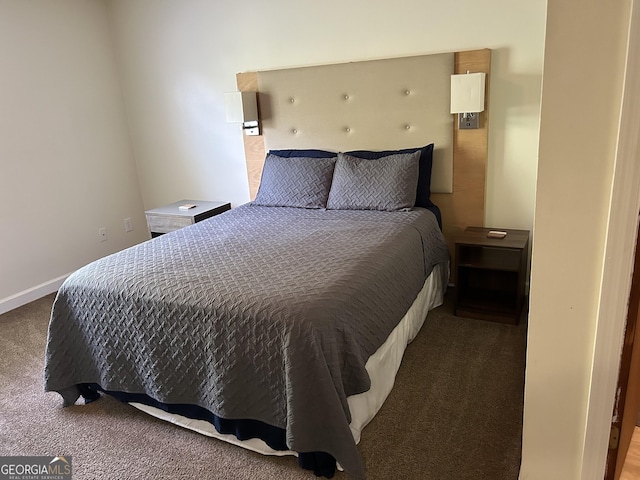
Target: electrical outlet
128 224
102 234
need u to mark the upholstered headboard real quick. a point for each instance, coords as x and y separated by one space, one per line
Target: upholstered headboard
378 105
373 105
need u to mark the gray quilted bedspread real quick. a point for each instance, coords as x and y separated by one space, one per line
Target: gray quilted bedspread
265 313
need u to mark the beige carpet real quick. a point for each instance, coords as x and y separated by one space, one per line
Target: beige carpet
455 413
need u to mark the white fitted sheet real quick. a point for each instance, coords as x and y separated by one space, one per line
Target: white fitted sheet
382 367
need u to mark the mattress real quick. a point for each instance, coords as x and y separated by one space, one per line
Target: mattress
382 367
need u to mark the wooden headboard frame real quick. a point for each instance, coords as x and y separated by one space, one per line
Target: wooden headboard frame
461 208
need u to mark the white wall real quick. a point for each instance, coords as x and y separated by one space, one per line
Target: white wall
178 59
66 165
573 215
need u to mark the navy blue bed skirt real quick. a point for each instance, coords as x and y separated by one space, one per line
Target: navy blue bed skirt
322 464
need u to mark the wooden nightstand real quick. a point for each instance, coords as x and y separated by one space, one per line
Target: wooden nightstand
491 274
169 217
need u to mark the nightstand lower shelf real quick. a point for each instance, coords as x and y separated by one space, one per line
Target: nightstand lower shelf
487 304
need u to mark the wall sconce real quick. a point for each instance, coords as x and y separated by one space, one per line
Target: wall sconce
242 107
467 98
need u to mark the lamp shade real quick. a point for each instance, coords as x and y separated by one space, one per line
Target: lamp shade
241 107
467 93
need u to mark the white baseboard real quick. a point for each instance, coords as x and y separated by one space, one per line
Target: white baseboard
31 294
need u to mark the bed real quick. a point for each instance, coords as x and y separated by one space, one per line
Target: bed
268 313
278 325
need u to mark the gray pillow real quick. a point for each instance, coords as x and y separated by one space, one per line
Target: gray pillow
295 182
387 183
